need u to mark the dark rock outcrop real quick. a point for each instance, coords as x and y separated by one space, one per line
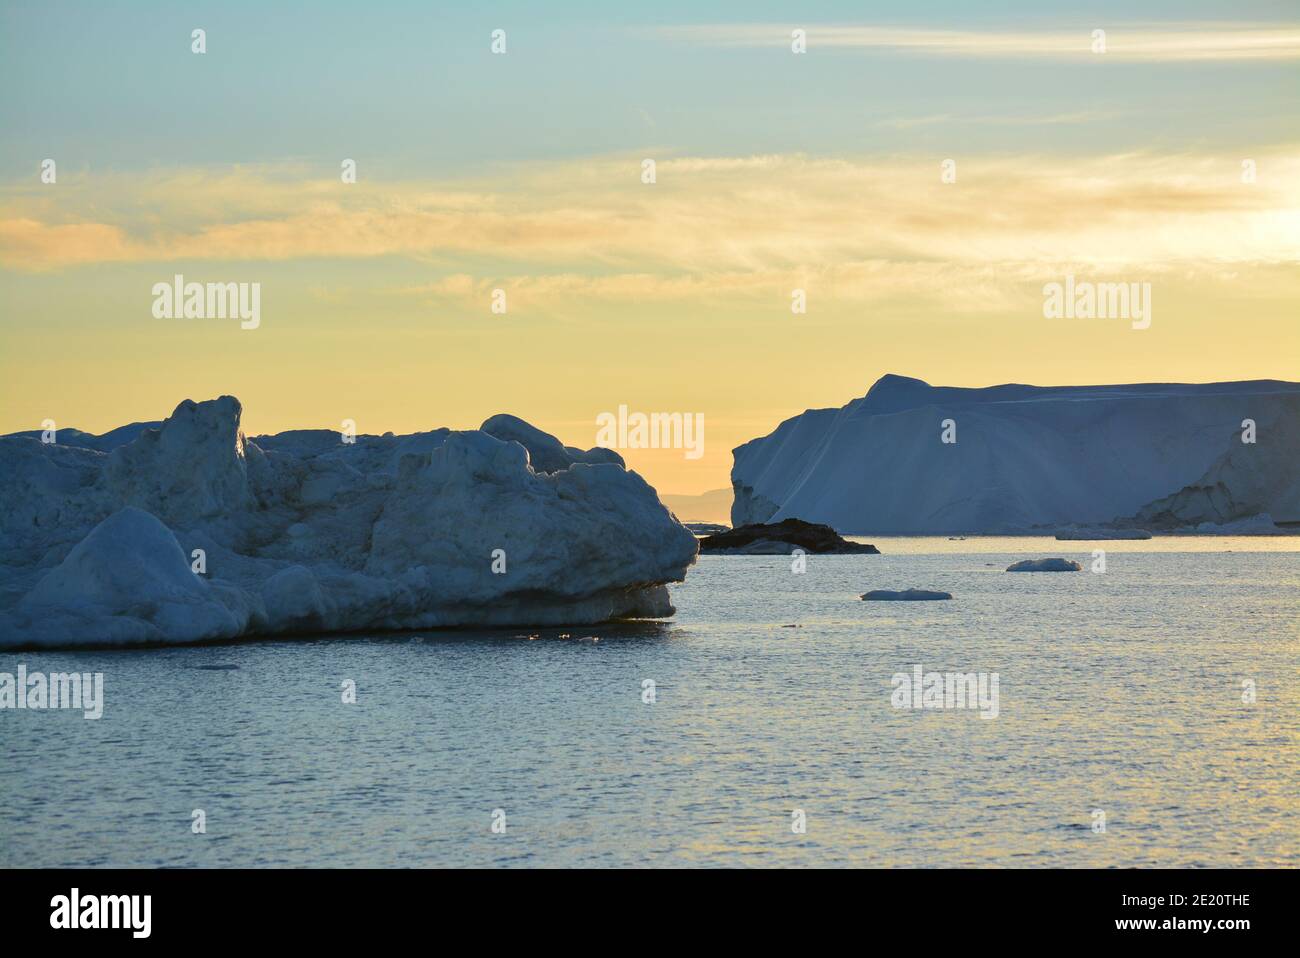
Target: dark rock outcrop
781 537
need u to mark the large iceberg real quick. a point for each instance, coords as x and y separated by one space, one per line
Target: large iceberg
1028 458
185 531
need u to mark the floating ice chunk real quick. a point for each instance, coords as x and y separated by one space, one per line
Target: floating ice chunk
1045 565
907 595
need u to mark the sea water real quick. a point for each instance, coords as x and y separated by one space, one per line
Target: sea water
1148 715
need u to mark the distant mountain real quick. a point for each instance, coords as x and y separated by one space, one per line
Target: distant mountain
1158 455
712 506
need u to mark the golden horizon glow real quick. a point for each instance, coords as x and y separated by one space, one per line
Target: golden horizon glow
672 297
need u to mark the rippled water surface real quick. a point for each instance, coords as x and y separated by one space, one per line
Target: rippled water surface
1119 692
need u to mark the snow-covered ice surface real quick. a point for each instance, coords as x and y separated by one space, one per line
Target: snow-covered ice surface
303 532
1028 458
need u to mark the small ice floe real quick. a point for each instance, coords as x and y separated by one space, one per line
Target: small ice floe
1045 565
907 595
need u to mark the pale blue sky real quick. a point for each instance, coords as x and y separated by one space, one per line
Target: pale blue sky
411 89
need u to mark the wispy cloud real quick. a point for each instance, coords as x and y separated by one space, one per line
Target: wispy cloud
1158 42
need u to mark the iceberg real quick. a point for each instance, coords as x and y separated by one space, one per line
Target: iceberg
186 531
914 459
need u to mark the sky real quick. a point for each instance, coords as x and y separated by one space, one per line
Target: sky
774 171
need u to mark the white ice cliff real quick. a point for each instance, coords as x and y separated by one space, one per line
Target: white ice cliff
303 533
1026 458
